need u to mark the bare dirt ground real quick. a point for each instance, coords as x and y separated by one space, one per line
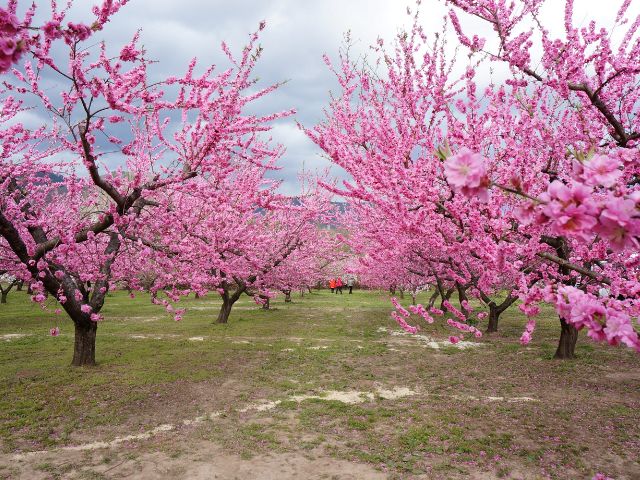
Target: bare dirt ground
314 390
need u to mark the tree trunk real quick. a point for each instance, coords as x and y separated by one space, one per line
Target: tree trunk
433 298
19 287
401 293
413 299
462 297
225 310
567 344
3 296
287 296
267 303
445 298
494 316
84 347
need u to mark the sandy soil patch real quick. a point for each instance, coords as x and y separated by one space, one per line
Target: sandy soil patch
429 342
12 336
205 461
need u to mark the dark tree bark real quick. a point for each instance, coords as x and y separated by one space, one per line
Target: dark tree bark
5 291
445 298
568 333
267 302
20 285
84 347
567 345
401 293
495 310
225 310
287 296
462 296
433 298
228 299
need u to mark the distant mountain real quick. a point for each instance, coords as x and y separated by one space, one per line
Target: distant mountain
53 177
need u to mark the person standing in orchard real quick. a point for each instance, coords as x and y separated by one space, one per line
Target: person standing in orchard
332 284
339 285
350 283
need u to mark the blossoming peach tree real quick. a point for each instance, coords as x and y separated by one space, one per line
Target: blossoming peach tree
529 185
71 223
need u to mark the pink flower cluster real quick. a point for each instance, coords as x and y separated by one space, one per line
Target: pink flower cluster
403 311
528 331
420 310
457 313
466 172
464 327
403 324
570 208
604 322
11 45
580 208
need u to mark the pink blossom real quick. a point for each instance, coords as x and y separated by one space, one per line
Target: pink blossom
86 308
420 310
453 339
403 311
52 30
405 326
77 31
129 54
466 172
570 209
618 225
619 329
54 332
95 317
602 170
9 23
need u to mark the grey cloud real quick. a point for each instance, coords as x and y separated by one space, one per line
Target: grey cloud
298 34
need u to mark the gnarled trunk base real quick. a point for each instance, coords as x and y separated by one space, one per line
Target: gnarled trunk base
494 316
567 344
225 311
84 347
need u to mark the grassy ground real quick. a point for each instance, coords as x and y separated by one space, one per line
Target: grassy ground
495 411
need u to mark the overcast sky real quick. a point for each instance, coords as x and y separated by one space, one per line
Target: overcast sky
298 34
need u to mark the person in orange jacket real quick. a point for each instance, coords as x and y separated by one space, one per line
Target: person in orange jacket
332 284
339 285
